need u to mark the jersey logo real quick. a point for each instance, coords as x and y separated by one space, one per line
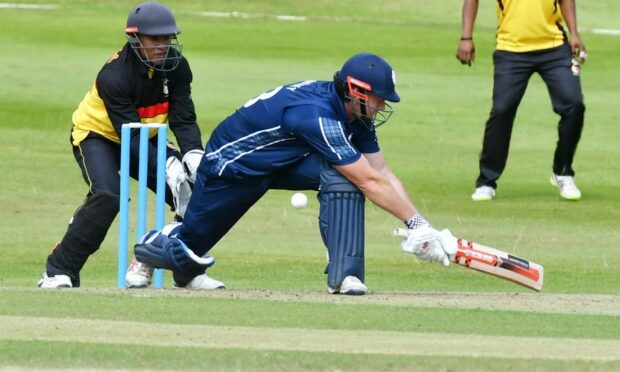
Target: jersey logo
165 89
294 87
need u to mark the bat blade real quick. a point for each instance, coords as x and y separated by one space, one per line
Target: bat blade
492 261
499 263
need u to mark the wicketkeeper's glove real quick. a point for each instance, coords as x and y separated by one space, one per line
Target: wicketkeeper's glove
191 161
179 185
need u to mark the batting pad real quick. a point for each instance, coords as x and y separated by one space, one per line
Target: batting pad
172 254
341 219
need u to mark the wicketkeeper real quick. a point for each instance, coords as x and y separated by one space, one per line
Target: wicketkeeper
147 81
311 135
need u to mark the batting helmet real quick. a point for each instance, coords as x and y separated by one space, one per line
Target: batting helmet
154 19
365 74
374 71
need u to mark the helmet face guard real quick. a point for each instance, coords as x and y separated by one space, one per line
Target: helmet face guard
357 91
168 62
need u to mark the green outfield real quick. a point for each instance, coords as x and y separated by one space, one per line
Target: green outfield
276 313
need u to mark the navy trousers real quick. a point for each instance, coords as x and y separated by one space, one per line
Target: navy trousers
217 203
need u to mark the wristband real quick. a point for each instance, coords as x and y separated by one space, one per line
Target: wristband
416 221
467 38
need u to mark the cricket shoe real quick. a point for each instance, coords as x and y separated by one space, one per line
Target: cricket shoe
202 282
351 286
56 281
566 184
138 275
483 193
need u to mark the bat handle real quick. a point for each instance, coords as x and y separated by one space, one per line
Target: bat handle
400 232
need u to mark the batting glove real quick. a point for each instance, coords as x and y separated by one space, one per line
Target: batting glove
425 243
422 240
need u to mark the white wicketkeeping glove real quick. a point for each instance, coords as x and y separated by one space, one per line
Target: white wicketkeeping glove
177 181
427 244
191 161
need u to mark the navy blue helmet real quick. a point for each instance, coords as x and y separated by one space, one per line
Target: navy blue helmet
374 71
363 74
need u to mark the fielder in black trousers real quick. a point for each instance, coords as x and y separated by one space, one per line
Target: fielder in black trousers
530 38
512 73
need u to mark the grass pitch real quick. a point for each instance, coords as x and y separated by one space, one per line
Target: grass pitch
276 314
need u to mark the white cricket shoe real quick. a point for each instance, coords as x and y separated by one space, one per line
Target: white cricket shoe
138 275
56 281
566 184
483 193
202 282
351 285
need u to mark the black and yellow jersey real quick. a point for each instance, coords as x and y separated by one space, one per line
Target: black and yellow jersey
126 91
528 25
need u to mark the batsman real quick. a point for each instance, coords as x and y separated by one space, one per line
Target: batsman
310 135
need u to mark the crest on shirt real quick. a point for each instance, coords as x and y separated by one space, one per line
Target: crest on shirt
165 88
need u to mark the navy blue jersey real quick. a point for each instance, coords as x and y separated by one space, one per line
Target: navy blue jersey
283 126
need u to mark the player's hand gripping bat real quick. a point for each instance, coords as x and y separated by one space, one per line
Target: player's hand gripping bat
491 261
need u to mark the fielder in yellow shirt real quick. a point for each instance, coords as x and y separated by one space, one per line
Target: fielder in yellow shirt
531 38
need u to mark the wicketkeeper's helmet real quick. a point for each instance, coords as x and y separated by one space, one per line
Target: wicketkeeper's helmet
364 74
154 19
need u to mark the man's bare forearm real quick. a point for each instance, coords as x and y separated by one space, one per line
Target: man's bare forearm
570 15
376 186
468 18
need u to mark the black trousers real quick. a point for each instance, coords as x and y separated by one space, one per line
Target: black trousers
511 76
99 161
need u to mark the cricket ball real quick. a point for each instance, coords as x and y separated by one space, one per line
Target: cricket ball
299 200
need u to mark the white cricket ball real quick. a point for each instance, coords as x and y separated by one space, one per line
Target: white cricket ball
299 200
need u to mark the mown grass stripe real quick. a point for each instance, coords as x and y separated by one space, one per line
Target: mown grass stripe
291 339
550 303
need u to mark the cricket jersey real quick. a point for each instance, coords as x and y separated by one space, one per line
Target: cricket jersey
283 126
127 91
529 25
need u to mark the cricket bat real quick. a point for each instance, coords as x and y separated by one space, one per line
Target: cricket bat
491 261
